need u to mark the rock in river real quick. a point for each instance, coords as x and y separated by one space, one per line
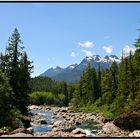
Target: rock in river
57 123
129 121
135 133
18 135
78 131
43 122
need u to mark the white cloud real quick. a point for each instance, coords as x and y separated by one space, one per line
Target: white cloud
108 49
86 44
73 54
87 53
126 51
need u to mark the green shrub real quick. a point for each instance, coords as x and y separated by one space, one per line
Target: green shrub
46 98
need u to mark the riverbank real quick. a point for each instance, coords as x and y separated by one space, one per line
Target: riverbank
62 122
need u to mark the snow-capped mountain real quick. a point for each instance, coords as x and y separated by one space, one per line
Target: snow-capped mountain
70 67
73 72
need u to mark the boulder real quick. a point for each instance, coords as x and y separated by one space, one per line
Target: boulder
18 135
50 126
79 135
68 129
22 130
2 132
18 130
25 120
64 109
32 107
35 125
78 131
30 114
89 133
43 122
56 129
78 123
57 123
109 128
47 135
29 130
135 133
130 121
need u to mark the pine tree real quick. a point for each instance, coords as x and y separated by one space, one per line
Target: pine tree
106 88
17 68
13 69
25 70
114 78
132 77
87 89
137 43
65 92
4 62
136 62
99 82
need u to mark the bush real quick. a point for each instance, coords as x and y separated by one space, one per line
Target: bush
46 98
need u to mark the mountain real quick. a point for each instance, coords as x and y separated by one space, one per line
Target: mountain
70 67
73 72
52 72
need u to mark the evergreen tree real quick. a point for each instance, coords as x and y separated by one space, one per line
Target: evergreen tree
106 88
87 89
25 70
65 92
132 77
114 78
137 43
7 110
13 69
136 64
99 82
17 68
71 90
109 84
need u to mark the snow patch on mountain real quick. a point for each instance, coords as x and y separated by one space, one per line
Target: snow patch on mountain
72 66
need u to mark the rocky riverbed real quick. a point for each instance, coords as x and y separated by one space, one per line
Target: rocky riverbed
62 122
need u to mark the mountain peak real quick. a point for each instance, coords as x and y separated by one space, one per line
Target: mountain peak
72 66
57 67
93 57
106 57
112 58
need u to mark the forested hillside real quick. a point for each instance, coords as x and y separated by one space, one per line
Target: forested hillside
46 91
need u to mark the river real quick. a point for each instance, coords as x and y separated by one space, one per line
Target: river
44 119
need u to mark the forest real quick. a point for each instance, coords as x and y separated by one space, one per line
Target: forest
113 91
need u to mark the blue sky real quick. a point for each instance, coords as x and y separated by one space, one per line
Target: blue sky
60 34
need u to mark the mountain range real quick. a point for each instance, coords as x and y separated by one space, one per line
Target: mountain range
73 72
